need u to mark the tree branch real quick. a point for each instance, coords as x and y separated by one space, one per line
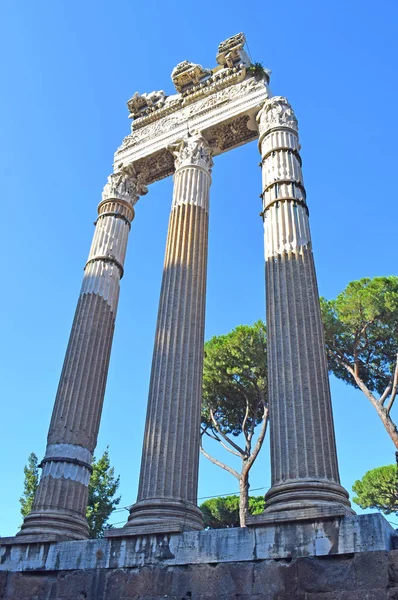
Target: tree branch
224 436
394 388
259 442
359 383
219 463
212 435
245 421
239 455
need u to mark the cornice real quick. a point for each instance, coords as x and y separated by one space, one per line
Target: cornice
219 104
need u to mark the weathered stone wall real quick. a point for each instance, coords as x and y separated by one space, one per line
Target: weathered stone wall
333 559
359 576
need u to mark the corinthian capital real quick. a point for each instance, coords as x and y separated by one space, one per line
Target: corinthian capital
276 112
124 185
193 151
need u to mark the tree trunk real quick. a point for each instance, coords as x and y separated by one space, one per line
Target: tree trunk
388 423
243 497
383 412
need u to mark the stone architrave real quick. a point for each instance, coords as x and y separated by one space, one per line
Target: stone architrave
167 495
60 503
305 476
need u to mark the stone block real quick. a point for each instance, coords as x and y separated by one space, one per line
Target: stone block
393 568
27 586
326 574
81 585
348 595
3 582
211 581
126 584
275 578
371 570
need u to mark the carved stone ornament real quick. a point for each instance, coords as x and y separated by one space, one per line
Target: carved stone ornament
231 52
141 104
193 150
187 73
204 105
276 112
224 136
124 185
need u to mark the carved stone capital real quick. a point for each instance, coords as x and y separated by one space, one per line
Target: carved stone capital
124 185
276 112
193 151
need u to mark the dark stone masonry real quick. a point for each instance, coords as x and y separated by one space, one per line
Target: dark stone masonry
360 576
333 559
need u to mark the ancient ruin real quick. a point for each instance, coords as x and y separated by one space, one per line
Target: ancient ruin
307 512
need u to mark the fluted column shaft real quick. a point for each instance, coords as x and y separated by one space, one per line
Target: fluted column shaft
60 503
303 450
167 493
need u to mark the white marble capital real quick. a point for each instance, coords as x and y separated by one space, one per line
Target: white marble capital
124 185
194 151
276 112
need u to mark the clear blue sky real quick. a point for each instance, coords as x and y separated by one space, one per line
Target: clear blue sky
68 69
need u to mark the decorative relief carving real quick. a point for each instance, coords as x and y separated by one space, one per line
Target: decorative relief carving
224 136
222 104
187 74
220 80
221 97
193 150
276 112
124 185
152 130
156 166
167 123
231 52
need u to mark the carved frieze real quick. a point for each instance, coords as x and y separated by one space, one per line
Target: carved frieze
155 166
168 122
276 112
218 81
124 185
224 136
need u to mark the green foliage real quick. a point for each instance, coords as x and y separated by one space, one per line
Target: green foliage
378 488
223 512
257 69
101 495
235 378
361 330
101 492
31 472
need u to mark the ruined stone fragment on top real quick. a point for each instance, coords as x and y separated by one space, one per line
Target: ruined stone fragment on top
187 74
231 52
143 104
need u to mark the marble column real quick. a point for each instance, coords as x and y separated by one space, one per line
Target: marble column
167 496
60 504
305 476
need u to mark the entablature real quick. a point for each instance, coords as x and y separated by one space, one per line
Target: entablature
221 104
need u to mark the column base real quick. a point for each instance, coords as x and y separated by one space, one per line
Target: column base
160 515
55 525
304 499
